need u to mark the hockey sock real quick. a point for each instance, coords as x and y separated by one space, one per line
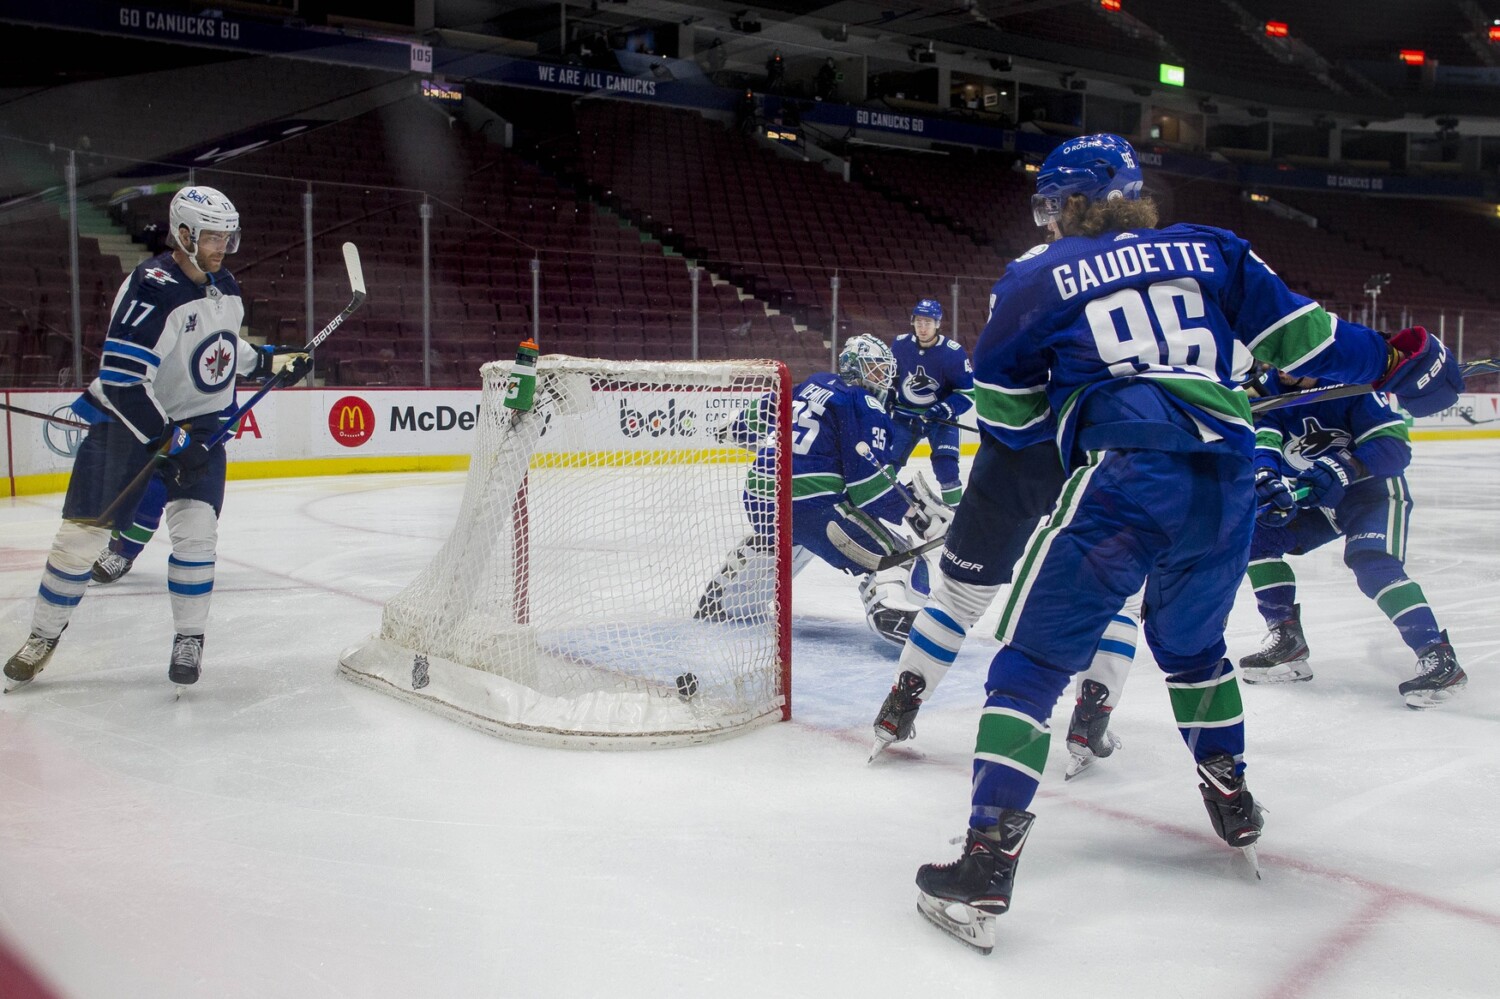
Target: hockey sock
137 536
1210 716
1010 750
939 630
1113 657
190 569
1383 579
1275 588
952 492
70 565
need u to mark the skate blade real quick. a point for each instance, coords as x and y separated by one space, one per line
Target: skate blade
1253 859
1302 672
1422 700
1078 766
879 747
11 685
976 932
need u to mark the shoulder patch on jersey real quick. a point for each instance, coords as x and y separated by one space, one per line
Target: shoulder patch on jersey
954 345
1126 235
873 403
158 275
1035 251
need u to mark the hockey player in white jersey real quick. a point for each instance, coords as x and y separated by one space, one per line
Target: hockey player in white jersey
167 371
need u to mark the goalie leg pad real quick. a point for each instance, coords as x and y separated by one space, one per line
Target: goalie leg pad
893 599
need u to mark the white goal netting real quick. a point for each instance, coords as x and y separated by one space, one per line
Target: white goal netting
567 605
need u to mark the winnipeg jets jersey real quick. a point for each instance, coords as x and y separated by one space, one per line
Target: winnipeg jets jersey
926 376
173 348
1128 338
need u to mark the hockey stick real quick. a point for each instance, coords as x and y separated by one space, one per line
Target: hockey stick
49 417
858 553
356 283
1326 393
913 415
862 556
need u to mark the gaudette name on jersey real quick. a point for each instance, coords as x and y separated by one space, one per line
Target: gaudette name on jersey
1129 260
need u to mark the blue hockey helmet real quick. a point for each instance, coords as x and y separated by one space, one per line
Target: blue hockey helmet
867 360
1099 167
929 307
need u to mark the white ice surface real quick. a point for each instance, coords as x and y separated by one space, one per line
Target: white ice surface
281 832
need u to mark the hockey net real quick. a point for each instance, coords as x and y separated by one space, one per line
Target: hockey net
564 608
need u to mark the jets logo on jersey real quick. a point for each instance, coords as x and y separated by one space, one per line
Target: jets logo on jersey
159 276
1314 440
214 361
920 388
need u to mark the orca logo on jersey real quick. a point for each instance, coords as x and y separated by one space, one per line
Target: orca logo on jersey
351 421
1314 440
919 387
214 361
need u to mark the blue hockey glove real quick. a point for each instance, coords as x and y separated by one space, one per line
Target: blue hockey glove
942 412
1327 479
1274 504
187 452
1423 373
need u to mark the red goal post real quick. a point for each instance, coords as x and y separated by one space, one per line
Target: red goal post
566 606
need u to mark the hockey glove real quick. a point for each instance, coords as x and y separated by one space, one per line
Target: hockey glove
1274 503
1421 372
291 367
1327 479
941 412
272 361
187 452
929 516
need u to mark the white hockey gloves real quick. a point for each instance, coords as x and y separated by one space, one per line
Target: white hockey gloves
929 516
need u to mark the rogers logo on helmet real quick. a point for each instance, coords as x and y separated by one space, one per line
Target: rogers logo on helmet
351 421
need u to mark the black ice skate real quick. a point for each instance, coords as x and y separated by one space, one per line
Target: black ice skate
1439 677
1235 815
187 660
1089 738
28 661
1284 657
964 897
110 566
897 719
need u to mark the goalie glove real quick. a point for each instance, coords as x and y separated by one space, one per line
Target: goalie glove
929 516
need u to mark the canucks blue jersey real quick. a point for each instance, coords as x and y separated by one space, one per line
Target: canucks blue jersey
830 418
1127 339
926 376
1288 440
172 350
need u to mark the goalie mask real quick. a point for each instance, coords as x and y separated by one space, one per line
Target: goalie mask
203 210
1100 167
866 360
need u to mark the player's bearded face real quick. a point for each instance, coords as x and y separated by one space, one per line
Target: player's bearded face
925 328
211 249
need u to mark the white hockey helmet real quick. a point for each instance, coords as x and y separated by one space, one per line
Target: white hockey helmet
867 360
204 209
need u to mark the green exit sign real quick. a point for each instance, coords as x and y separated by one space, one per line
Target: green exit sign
1173 76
